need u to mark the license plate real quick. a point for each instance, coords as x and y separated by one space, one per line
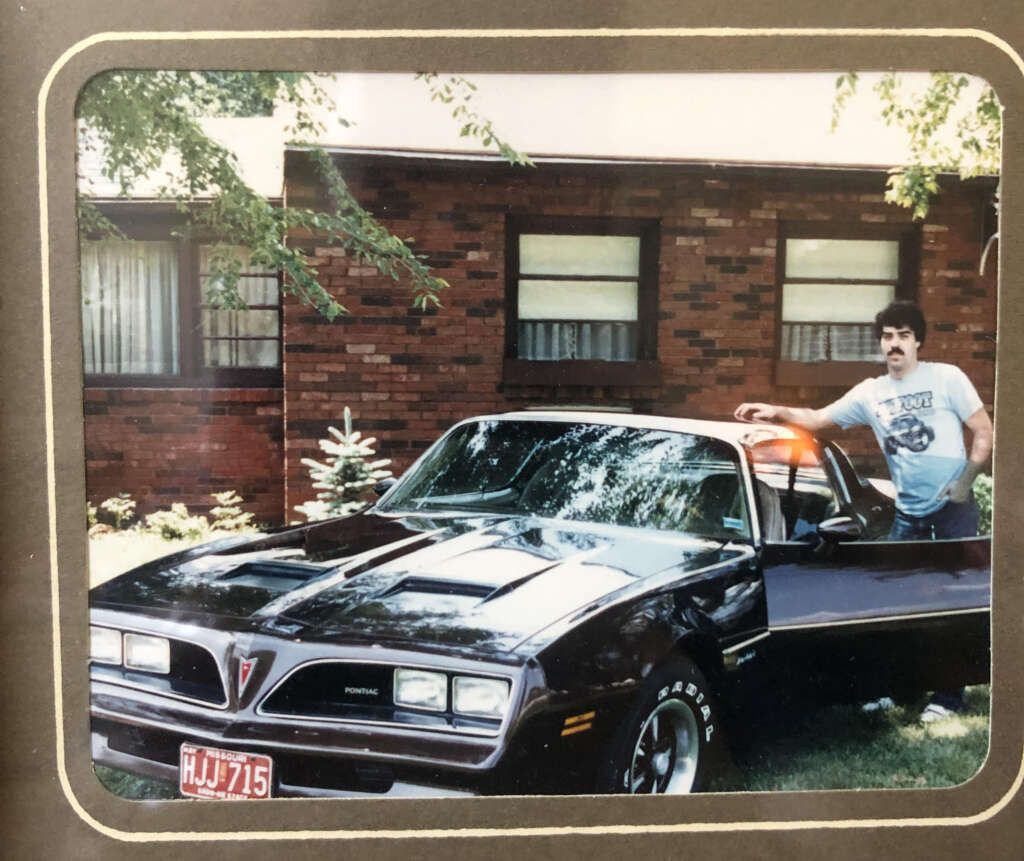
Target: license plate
208 772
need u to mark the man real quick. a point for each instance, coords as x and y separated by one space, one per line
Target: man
917 411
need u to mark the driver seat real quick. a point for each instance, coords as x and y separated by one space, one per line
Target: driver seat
716 498
773 524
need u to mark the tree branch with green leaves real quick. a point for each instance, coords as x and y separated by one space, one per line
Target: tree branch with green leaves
950 127
458 91
147 123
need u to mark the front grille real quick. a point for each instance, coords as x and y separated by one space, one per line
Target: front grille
335 689
193 675
351 691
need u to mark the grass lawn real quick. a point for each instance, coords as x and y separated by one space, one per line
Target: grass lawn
116 552
842 747
129 786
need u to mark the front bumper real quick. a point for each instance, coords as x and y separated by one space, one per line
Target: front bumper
139 724
105 755
141 732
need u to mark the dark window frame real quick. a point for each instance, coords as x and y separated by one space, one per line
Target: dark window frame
644 369
157 227
789 372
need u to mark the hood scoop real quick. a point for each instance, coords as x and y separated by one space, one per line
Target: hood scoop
433 586
271 576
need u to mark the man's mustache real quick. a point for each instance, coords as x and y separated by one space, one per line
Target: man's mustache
895 351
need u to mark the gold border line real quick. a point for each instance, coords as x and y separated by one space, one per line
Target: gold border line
260 35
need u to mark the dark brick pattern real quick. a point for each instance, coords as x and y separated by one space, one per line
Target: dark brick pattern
180 445
717 309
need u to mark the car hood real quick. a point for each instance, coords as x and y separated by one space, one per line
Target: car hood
450 583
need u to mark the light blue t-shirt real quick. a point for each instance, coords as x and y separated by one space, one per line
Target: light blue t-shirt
918 422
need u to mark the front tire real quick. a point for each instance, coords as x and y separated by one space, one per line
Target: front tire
670 739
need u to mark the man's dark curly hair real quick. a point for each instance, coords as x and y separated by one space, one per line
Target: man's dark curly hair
899 314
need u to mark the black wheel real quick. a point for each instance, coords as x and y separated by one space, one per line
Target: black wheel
670 739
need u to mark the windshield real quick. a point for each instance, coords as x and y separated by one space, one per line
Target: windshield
593 473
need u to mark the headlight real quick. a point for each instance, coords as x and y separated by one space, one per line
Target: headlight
104 645
480 697
149 654
421 689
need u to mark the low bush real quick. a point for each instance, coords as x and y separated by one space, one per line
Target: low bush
120 509
174 523
177 523
983 496
228 515
114 550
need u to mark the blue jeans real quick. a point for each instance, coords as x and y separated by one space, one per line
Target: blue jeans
953 520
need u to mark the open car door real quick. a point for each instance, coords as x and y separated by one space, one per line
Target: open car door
854 616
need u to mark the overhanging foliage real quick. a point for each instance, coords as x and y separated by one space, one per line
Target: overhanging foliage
945 132
138 119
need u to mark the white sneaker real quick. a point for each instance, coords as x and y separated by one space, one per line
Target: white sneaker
933 712
883 704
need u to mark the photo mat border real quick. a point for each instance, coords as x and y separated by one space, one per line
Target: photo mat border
51 458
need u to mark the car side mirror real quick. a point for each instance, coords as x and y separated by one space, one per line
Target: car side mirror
384 485
841 528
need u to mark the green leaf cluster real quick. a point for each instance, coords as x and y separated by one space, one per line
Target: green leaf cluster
141 120
983 496
943 133
456 90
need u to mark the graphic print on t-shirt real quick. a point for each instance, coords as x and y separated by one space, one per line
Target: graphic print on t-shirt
902 418
918 421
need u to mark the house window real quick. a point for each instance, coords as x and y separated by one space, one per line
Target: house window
581 291
834 279
130 318
145 320
248 338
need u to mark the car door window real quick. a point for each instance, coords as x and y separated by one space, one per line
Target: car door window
792 471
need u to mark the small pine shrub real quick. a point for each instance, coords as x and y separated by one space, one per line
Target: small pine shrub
345 475
177 523
90 514
120 508
227 513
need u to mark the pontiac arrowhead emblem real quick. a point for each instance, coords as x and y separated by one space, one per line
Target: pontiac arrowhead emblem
245 668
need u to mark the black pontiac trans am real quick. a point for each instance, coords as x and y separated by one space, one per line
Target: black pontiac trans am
544 602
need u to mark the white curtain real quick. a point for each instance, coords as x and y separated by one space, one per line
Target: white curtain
819 342
854 344
827 320
578 318
554 340
130 307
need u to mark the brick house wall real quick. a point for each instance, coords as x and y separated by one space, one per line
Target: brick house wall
409 375
180 445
